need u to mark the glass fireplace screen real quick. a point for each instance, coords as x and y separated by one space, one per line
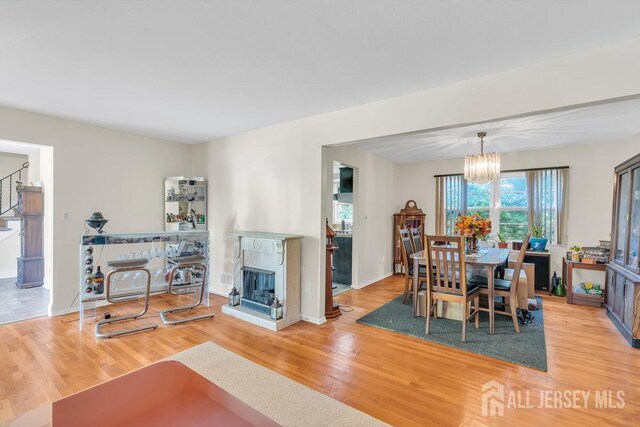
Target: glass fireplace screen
258 289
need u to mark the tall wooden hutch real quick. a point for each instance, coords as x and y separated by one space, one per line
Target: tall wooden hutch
408 217
623 269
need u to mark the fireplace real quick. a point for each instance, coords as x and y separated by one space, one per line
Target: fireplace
258 289
266 266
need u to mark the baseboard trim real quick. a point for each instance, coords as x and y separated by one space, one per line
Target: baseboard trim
370 282
314 320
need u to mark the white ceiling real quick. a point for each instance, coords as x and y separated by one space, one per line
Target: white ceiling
195 70
610 122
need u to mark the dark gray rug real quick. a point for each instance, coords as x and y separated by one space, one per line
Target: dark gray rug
526 348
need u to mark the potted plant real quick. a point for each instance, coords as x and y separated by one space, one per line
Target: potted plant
575 252
538 241
501 239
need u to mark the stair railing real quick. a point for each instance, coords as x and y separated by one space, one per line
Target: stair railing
10 180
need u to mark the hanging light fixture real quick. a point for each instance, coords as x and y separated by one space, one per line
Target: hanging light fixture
482 168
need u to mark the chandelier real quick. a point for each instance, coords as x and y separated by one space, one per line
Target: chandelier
482 168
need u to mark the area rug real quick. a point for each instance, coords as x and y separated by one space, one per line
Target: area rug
526 348
281 399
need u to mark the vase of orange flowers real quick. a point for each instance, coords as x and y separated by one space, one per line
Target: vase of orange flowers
472 227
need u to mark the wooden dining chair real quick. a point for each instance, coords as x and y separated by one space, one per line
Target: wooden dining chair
507 289
449 283
416 239
406 248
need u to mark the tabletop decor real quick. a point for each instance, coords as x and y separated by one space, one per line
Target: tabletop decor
472 227
538 241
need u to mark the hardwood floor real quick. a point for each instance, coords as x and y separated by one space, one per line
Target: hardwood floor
399 379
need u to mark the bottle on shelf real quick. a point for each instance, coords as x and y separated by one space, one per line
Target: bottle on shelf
98 281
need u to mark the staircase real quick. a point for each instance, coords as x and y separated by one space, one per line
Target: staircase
9 196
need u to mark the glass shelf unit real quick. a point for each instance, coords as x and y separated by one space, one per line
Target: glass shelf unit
185 203
96 250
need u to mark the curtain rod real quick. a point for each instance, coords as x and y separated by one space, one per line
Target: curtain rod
509 171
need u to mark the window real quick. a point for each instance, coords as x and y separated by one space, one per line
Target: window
504 201
512 213
511 202
341 211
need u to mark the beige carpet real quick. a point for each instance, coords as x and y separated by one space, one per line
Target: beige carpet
283 400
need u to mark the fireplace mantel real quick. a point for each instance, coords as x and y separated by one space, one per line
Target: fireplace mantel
267 252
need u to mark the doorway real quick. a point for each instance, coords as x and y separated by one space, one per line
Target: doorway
342 222
25 175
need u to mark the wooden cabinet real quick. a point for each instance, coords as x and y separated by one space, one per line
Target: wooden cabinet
623 269
408 217
31 261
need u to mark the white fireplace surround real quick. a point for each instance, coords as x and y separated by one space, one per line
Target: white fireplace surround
275 252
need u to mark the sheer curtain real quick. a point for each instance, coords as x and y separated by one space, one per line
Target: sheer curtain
547 202
451 194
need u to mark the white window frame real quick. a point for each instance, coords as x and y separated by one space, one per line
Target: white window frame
496 203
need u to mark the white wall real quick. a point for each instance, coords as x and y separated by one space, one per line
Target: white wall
271 179
590 186
118 173
11 162
373 209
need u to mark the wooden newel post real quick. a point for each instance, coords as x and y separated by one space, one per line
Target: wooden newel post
331 309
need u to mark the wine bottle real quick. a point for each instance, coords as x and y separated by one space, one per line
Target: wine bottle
98 281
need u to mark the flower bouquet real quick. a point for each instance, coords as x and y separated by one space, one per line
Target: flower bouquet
473 227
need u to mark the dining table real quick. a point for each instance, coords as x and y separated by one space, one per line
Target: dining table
487 259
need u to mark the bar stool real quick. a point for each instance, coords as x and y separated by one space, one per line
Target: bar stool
192 261
123 267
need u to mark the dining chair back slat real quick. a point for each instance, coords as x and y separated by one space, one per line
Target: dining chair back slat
518 266
416 238
449 263
406 247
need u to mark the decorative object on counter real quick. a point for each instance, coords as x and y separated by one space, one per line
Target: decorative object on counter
596 254
276 309
88 280
98 281
604 244
331 308
472 227
484 167
501 239
575 253
234 297
409 217
538 242
96 221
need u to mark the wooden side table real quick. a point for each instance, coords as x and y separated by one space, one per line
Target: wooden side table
567 274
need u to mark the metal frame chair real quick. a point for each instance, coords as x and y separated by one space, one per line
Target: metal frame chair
192 261
123 267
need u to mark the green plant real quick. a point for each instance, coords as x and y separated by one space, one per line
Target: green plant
500 238
537 231
575 248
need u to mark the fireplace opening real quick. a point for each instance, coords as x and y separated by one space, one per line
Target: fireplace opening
258 289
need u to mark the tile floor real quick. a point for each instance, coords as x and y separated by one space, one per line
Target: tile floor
339 288
20 304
